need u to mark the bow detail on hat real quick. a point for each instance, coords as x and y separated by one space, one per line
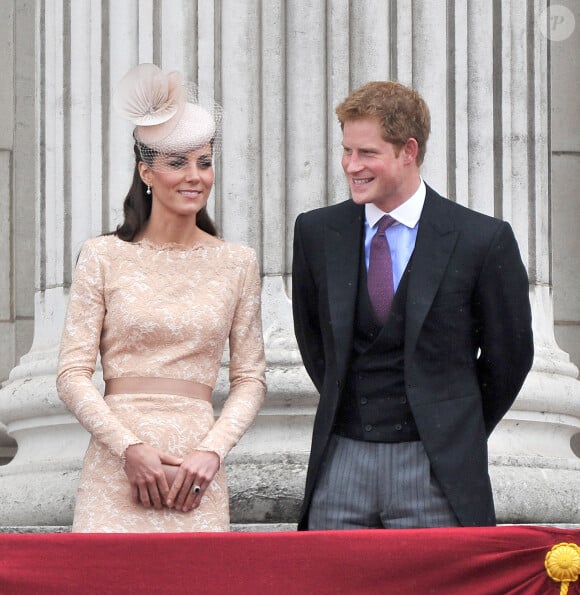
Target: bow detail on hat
147 96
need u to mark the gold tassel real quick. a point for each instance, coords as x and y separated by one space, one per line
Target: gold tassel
563 565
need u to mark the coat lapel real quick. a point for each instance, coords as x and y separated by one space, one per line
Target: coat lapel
436 239
343 242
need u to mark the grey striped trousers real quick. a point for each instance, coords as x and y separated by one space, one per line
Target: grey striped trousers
372 485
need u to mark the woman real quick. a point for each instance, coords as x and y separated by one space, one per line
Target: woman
158 299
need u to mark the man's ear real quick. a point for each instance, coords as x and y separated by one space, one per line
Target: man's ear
410 150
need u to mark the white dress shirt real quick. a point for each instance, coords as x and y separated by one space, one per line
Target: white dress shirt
402 235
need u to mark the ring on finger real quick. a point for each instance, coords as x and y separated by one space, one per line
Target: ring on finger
196 489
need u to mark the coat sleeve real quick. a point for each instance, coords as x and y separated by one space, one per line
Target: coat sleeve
502 307
305 308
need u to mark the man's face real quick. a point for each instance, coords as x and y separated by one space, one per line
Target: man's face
375 169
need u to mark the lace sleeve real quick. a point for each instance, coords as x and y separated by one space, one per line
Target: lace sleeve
78 355
247 368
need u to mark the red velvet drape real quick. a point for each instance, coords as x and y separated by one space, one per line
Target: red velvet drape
480 561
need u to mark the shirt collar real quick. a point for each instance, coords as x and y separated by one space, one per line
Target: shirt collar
408 213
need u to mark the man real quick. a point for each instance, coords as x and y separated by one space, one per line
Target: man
415 328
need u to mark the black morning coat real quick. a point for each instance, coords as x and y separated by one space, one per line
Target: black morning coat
468 335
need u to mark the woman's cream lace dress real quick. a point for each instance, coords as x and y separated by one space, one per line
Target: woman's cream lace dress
163 311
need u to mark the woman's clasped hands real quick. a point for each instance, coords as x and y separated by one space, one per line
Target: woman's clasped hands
159 479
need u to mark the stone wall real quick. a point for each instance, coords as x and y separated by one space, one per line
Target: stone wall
565 173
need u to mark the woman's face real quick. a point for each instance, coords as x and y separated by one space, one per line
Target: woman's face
180 183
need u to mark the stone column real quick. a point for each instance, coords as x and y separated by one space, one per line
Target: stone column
17 140
35 487
534 467
279 69
563 31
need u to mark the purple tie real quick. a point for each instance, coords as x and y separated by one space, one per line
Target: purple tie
380 273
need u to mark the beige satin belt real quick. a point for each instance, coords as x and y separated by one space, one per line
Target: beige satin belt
153 385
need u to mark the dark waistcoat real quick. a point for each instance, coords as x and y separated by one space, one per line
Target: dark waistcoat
373 405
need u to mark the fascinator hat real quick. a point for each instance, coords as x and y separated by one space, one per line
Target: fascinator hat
167 113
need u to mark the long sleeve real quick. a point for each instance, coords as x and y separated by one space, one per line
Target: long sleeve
246 369
503 307
78 355
305 309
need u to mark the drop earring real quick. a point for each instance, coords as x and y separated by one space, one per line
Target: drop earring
148 189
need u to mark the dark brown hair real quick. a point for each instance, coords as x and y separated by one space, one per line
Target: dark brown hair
137 206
